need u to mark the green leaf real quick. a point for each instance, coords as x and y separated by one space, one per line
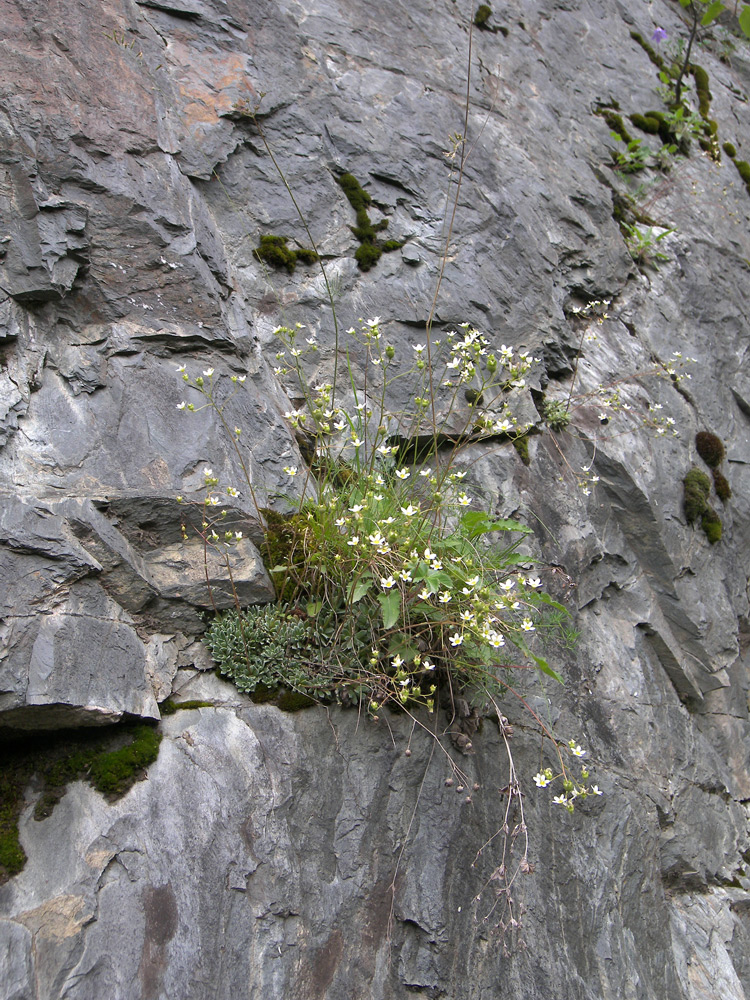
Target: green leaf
546 599
313 607
744 20
478 522
360 588
546 668
391 607
712 13
401 645
684 3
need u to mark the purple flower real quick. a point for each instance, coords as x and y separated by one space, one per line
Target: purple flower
659 36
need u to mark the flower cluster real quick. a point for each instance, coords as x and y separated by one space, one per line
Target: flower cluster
573 789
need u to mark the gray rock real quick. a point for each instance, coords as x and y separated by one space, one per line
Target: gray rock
306 856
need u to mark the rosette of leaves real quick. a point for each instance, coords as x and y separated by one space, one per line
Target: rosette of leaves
270 646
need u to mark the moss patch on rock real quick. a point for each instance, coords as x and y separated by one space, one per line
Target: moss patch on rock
710 447
370 249
482 16
697 488
273 250
112 760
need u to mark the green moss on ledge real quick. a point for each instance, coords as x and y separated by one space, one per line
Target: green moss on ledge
112 760
273 250
482 16
697 487
370 250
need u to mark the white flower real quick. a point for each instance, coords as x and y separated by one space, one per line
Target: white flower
384 449
596 790
527 625
182 405
208 472
456 639
508 585
418 348
468 616
541 780
357 442
405 575
376 539
496 640
445 597
560 800
436 564
208 372
463 500
340 522
397 661
340 425
427 665
356 508
576 750
533 582
214 501
429 554
425 473
354 540
386 582
472 581
410 511
291 470
403 473
181 368
424 594
238 535
232 491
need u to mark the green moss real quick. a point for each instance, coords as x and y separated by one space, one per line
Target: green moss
697 487
115 772
367 255
93 755
616 123
169 707
650 51
729 150
721 485
701 85
483 14
273 250
711 524
357 196
743 169
646 123
366 232
710 447
521 444
293 701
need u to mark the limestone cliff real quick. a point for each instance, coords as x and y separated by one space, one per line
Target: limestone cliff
304 855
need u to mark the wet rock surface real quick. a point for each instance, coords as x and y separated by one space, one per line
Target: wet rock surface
305 855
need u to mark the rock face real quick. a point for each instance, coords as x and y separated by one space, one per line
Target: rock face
306 855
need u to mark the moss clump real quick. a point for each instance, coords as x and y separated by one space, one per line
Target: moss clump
729 150
293 701
369 251
100 757
646 123
367 255
482 16
697 487
721 485
115 772
711 524
169 707
701 85
273 250
616 123
710 448
521 444
743 169
650 51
